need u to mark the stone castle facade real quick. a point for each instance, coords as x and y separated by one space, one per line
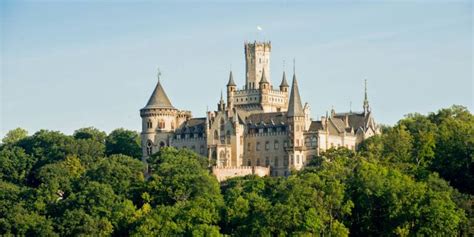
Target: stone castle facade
259 129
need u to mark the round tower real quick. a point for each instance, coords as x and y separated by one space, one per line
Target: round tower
159 120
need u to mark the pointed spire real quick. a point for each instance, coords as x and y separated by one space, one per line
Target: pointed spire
158 98
222 96
231 80
294 106
284 82
366 100
264 78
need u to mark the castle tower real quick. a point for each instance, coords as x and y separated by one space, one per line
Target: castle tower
296 123
257 60
231 88
159 119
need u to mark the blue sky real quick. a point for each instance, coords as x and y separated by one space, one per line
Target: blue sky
67 65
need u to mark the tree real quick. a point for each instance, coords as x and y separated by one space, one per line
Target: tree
454 152
90 133
15 164
14 135
125 142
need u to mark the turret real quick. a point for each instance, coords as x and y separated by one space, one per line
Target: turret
159 118
264 83
284 83
296 123
221 105
231 88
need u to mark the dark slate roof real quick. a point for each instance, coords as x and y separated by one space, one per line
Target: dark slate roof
356 120
294 106
159 99
249 107
316 126
192 126
284 82
231 80
274 119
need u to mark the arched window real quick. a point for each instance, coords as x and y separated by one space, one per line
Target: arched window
149 147
161 124
149 124
162 144
222 125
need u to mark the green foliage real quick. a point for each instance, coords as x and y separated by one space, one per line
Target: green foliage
125 142
14 136
413 180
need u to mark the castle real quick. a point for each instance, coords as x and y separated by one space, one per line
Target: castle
259 129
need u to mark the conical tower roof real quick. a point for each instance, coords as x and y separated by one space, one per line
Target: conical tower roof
294 106
231 80
264 78
159 99
284 82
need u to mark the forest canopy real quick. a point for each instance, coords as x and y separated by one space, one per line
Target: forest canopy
416 178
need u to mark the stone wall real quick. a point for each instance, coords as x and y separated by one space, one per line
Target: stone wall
223 173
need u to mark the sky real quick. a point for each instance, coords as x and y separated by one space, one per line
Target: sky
72 64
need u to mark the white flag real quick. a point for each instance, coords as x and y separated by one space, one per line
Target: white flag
259 28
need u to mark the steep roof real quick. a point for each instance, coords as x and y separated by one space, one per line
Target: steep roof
264 78
284 82
193 125
273 118
294 106
158 98
231 80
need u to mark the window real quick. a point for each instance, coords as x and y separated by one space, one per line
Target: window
222 125
161 124
216 136
201 149
276 161
249 163
193 147
276 145
241 140
228 136
258 146
149 124
291 159
162 144
258 162
267 145
267 161
222 158
149 147
313 141
298 159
